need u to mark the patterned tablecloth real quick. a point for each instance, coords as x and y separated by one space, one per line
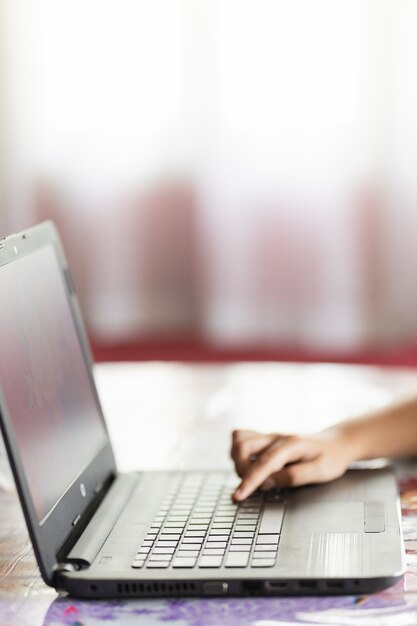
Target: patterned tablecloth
26 601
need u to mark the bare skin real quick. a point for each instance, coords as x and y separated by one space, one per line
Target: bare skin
279 460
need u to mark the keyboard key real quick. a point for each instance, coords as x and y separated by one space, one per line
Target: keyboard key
195 533
166 550
216 544
146 543
240 548
184 562
190 547
172 530
218 519
241 542
216 552
160 557
214 537
144 550
274 496
237 559
157 564
175 525
272 517
210 561
267 539
137 564
219 525
197 527
263 562
219 531
193 540
169 537
264 555
245 535
166 544
267 547
188 553
245 527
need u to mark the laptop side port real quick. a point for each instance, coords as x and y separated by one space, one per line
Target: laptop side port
307 584
335 584
276 585
215 588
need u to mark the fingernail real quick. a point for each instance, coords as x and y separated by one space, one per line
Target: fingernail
237 494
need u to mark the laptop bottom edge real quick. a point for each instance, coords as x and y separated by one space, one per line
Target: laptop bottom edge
186 587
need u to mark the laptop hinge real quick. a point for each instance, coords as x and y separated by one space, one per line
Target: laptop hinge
85 550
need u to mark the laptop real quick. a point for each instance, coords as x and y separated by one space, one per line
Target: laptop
97 533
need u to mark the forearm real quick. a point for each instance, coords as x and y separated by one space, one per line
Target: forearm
388 432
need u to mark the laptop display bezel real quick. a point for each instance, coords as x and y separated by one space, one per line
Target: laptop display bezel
71 509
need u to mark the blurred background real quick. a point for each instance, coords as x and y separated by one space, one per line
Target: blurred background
231 178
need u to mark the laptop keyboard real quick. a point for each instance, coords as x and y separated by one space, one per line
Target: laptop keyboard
198 525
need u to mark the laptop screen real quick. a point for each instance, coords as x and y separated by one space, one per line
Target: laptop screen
44 378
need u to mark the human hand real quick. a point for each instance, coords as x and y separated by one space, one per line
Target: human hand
274 460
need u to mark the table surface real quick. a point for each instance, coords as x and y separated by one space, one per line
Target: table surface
179 416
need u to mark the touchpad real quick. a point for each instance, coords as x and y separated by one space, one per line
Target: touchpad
332 517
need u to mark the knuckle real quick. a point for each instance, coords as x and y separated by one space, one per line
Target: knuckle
265 459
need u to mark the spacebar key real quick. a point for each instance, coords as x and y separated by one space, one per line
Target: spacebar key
237 559
272 517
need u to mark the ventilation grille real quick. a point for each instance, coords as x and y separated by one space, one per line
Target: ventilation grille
155 588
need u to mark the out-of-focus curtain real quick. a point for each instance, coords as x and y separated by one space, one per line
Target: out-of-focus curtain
242 168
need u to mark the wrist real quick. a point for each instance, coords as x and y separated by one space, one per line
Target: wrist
350 442
356 440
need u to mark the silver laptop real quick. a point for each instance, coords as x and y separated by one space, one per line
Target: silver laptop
98 533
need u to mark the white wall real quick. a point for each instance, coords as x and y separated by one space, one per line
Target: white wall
241 167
